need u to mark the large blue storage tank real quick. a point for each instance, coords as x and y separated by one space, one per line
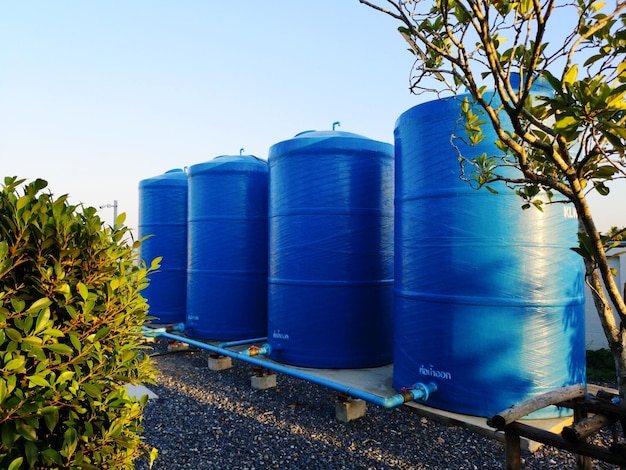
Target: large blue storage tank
331 251
489 300
163 216
227 270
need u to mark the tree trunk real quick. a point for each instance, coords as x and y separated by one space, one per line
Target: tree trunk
614 333
600 279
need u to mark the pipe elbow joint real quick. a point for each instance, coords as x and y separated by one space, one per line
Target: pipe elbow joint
175 327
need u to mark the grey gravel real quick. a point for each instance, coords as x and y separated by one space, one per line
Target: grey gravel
207 419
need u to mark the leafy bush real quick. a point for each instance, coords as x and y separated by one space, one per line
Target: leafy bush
70 332
601 366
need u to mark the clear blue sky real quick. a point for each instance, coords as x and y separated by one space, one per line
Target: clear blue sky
96 96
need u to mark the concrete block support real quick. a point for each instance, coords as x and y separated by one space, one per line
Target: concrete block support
350 409
220 362
263 382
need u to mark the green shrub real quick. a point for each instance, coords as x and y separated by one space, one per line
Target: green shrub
70 335
601 366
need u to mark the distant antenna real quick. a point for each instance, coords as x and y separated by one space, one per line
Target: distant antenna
336 124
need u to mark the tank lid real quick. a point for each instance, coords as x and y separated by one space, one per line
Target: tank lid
175 176
319 141
313 134
230 162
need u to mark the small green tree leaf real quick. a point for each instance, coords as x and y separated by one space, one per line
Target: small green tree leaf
25 430
3 390
23 202
8 434
13 334
70 440
16 464
15 364
65 376
571 74
39 304
92 390
51 457
37 380
32 453
43 320
82 290
51 420
60 348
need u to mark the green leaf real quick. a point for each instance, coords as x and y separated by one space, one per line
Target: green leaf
120 219
43 320
76 342
18 305
570 76
7 432
5 264
15 364
92 390
16 464
32 453
13 334
25 430
39 304
46 410
37 380
601 188
605 171
154 453
53 332
102 332
51 420
82 290
70 440
51 458
156 263
566 123
23 202
32 340
3 390
60 348
65 376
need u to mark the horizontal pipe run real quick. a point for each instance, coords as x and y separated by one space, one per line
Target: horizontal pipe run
242 342
416 392
164 329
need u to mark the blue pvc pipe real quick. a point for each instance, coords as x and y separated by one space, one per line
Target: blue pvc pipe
164 329
229 344
416 392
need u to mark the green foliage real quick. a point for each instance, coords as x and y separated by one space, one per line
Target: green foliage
70 331
617 234
600 366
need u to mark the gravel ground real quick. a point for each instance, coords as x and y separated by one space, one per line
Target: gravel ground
207 419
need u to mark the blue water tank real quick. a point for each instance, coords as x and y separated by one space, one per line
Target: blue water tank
227 283
163 217
489 300
331 251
